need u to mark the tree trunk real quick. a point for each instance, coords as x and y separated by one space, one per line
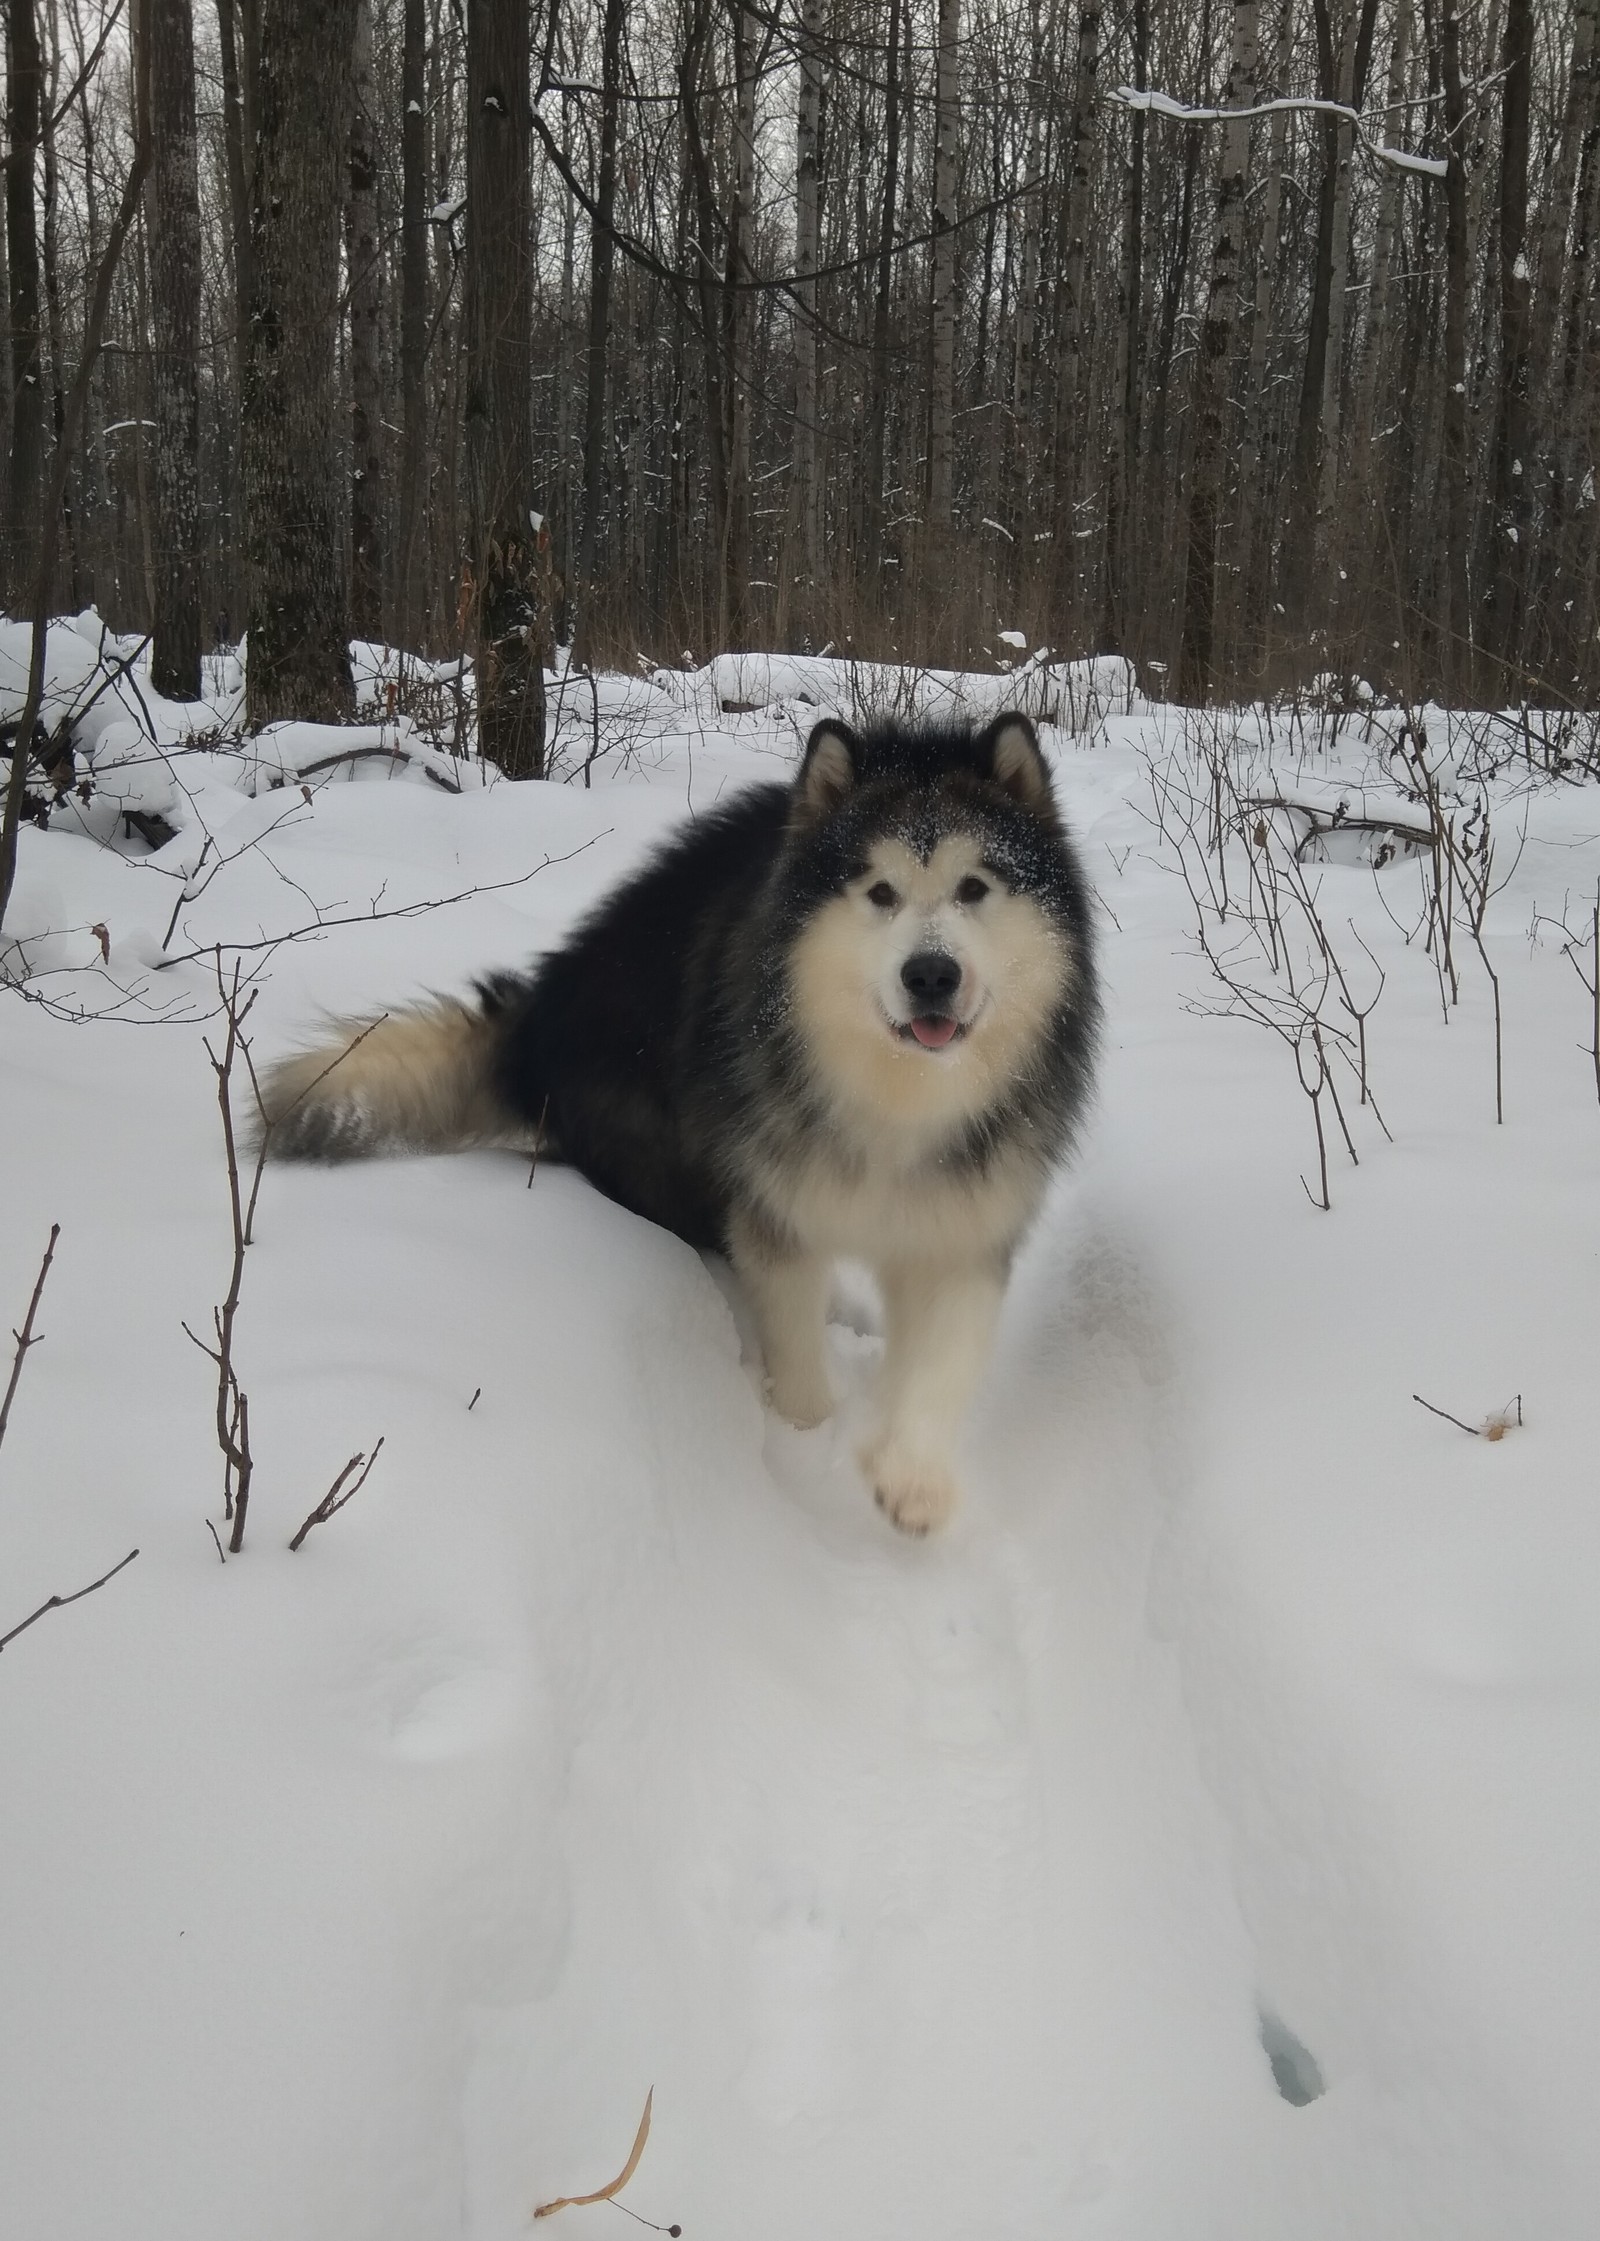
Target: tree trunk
413 494
709 299
299 656
1375 330
1332 430
1071 412
941 392
510 598
1019 447
236 25
172 214
364 260
1257 465
50 232
1214 385
1299 546
808 496
1457 663
882 304
25 465
739 328
1513 434
602 257
1122 479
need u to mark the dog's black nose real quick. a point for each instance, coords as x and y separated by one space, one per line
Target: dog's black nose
931 977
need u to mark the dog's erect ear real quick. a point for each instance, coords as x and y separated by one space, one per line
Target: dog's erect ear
1011 748
828 773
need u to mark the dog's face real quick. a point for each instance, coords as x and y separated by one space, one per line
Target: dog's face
925 973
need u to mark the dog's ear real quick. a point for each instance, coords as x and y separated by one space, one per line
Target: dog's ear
1010 748
828 773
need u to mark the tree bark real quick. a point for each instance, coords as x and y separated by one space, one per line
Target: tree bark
299 655
739 327
50 234
1513 434
1214 385
1458 648
1375 329
172 207
25 465
364 261
882 304
1331 434
1122 480
1071 411
510 542
1019 447
413 494
236 26
808 507
941 387
602 258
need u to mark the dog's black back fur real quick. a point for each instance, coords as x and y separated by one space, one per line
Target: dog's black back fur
592 1043
656 1045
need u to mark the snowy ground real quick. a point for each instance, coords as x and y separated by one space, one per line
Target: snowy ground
610 1739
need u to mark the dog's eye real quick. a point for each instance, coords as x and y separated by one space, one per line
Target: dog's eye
882 896
972 890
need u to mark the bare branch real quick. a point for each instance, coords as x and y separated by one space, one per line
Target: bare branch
334 1500
60 1602
25 1338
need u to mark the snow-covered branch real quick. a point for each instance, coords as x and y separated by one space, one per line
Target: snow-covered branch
1180 112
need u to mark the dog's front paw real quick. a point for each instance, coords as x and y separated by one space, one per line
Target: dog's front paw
803 1401
914 1491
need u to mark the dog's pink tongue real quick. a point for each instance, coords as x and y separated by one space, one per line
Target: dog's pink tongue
933 1034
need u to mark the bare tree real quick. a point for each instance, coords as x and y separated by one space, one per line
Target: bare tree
173 206
1513 462
807 214
364 264
941 380
25 464
413 323
509 597
1213 381
299 661
602 263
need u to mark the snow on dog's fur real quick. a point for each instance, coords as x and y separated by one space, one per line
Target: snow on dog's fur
853 1017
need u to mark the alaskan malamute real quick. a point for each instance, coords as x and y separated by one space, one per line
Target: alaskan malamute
853 1017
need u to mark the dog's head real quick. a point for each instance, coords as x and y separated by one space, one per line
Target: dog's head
938 912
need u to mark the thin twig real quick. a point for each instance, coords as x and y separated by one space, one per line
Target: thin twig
1449 1419
60 1602
217 1537
334 1501
538 1142
372 917
25 1338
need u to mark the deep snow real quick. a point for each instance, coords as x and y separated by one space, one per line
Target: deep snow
611 1739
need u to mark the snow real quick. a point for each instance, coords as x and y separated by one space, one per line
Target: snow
1245 1720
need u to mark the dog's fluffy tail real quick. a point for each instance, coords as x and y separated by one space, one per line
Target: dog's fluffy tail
416 1080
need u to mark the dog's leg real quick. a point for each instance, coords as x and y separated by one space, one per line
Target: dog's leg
788 1289
941 1327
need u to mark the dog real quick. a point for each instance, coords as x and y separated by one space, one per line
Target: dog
853 1017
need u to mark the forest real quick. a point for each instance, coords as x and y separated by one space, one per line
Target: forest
1257 342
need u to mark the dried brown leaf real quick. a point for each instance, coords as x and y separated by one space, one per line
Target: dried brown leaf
605 2194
